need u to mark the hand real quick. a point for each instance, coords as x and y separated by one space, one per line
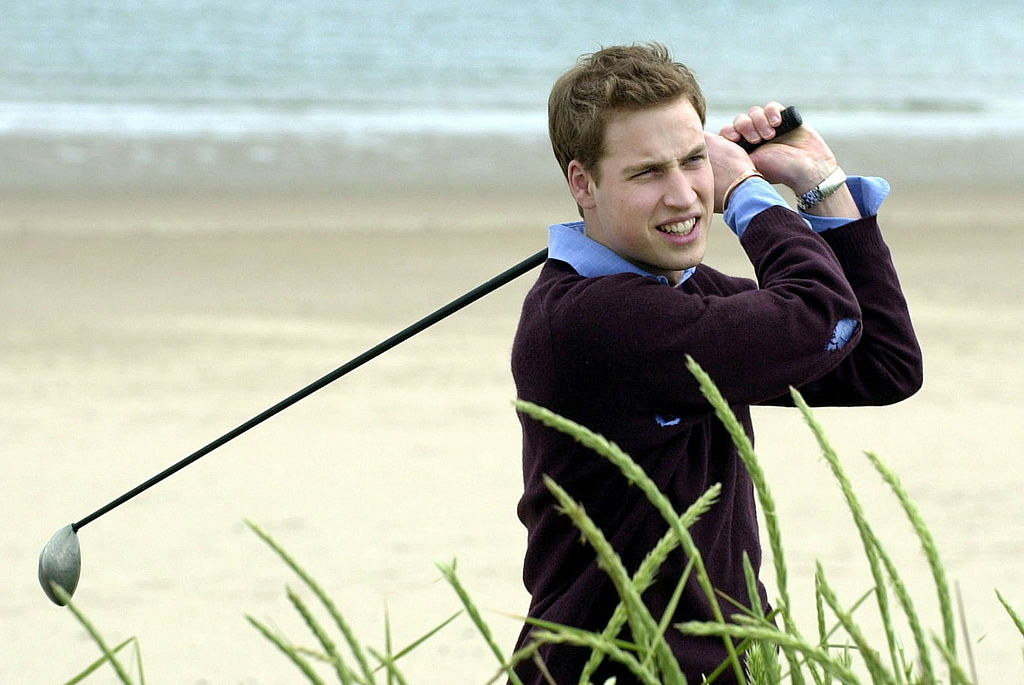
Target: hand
799 159
729 163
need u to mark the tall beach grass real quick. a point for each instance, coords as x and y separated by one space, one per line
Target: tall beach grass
762 648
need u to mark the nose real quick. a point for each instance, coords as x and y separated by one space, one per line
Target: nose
679 191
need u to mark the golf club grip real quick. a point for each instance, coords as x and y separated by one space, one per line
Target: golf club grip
791 119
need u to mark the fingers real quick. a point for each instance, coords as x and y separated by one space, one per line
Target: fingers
757 125
800 160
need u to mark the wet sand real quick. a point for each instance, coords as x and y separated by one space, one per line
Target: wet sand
137 330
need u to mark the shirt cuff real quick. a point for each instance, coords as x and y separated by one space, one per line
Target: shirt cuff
749 199
868 193
755 195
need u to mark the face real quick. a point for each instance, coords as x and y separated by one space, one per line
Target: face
655 200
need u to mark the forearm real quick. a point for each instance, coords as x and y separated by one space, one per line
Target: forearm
885 365
884 360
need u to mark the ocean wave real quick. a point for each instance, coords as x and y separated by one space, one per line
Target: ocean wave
171 121
372 126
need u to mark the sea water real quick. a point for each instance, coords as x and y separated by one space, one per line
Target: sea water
117 91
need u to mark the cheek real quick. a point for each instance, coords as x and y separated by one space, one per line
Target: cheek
706 187
622 206
641 201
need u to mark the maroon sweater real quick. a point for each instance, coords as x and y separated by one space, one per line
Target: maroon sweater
609 353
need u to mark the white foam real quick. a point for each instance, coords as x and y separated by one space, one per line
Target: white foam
169 121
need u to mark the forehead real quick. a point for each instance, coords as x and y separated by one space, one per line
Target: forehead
666 131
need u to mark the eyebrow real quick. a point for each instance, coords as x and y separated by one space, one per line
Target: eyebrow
633 169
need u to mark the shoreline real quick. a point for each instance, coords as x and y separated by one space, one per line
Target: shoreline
418 168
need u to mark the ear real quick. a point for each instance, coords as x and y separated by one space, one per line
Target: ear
581 184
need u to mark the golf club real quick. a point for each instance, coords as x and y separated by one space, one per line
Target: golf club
60 562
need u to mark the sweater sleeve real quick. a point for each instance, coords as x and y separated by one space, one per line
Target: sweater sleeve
630 335
885 365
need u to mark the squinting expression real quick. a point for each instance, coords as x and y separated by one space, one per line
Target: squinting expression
655 200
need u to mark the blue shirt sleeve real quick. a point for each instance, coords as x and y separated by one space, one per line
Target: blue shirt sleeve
868 192
755 195
749 199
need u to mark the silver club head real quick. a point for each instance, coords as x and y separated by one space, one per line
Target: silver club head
60 562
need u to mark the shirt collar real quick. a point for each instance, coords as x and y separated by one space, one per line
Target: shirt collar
568 242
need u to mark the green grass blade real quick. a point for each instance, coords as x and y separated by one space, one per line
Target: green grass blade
313 654
138 661
387 662
635 475
766 500
645 574
968 645
387 648
957 675
928 544
767 663
773 636
328 603
99 662
642 624
923 652
429 634
580 638
287 650
330 649
615 624
879 675
868 538
1013 614
448 571
108 654
753 595
852 610
555 627
819 606
674 599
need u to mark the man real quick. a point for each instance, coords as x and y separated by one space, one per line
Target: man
624 297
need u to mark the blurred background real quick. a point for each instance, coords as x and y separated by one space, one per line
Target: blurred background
206 205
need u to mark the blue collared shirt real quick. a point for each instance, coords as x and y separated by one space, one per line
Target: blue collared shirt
569 243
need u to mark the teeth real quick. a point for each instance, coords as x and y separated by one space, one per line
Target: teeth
680 228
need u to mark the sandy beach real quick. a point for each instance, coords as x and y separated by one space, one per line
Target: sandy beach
140 326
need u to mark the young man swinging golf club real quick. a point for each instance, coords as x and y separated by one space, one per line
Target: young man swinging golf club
624 297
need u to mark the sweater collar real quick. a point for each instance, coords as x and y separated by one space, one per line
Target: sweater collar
568 242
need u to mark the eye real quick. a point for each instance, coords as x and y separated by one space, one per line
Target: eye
649 171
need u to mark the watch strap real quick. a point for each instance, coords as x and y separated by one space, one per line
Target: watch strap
829 185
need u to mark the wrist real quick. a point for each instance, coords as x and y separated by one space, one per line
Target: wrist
826 188
736 183
830 198
810 174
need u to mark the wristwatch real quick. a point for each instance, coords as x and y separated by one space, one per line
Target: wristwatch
829 185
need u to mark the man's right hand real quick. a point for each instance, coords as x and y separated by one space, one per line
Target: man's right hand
730 163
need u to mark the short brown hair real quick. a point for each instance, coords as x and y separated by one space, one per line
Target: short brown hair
614 79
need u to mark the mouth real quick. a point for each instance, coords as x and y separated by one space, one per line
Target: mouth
681 228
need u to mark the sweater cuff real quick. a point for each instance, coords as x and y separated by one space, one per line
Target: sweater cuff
858 239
